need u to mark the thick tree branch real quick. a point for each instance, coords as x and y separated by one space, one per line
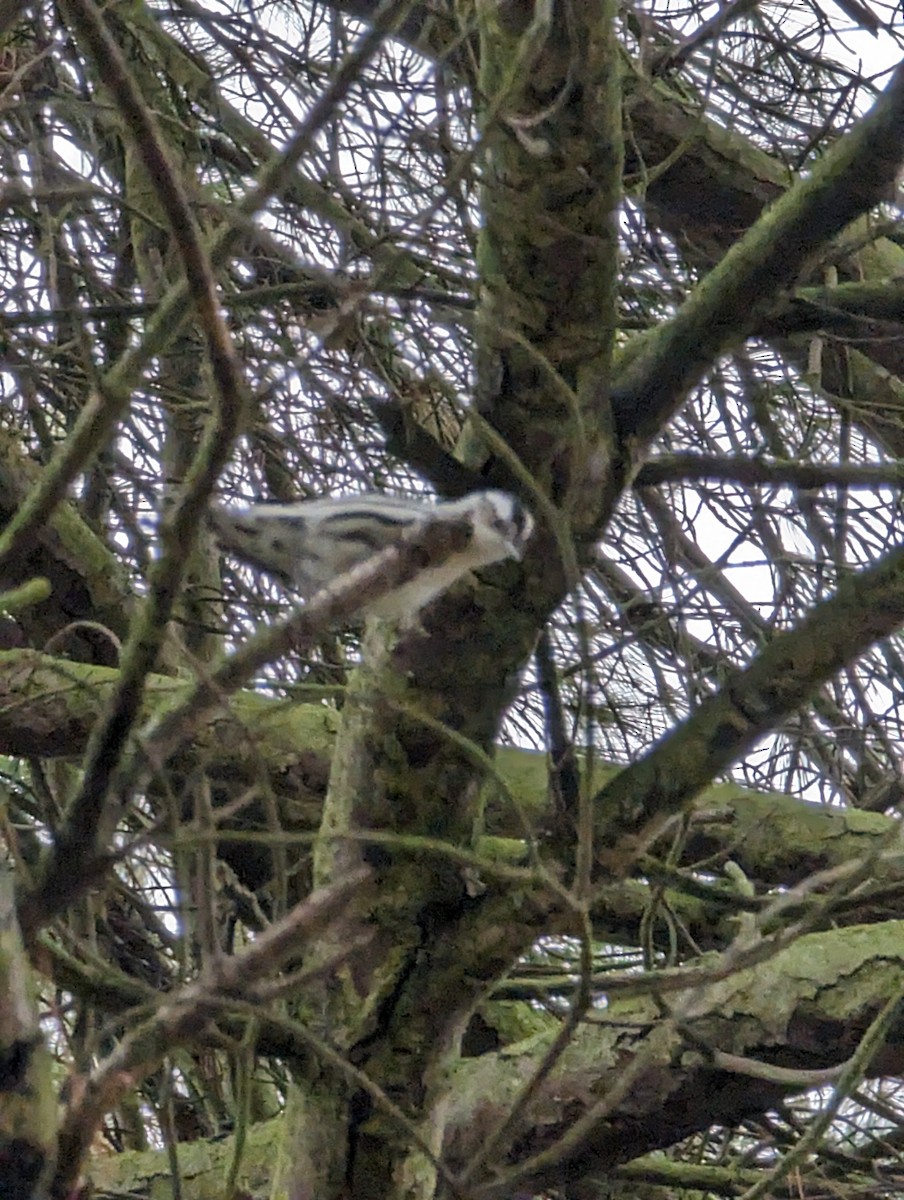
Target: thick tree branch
867 606
48 706
853 177
751 472
844 310
806 1008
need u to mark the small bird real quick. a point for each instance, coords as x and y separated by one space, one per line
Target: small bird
311 544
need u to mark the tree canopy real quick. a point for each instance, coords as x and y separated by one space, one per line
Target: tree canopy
587 882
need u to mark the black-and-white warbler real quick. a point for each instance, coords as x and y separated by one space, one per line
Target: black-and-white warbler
311 544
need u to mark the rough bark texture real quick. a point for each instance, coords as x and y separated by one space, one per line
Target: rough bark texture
412 1056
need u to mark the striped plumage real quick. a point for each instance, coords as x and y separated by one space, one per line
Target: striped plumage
310 544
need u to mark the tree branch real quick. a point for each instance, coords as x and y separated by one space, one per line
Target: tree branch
866 607
855 174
